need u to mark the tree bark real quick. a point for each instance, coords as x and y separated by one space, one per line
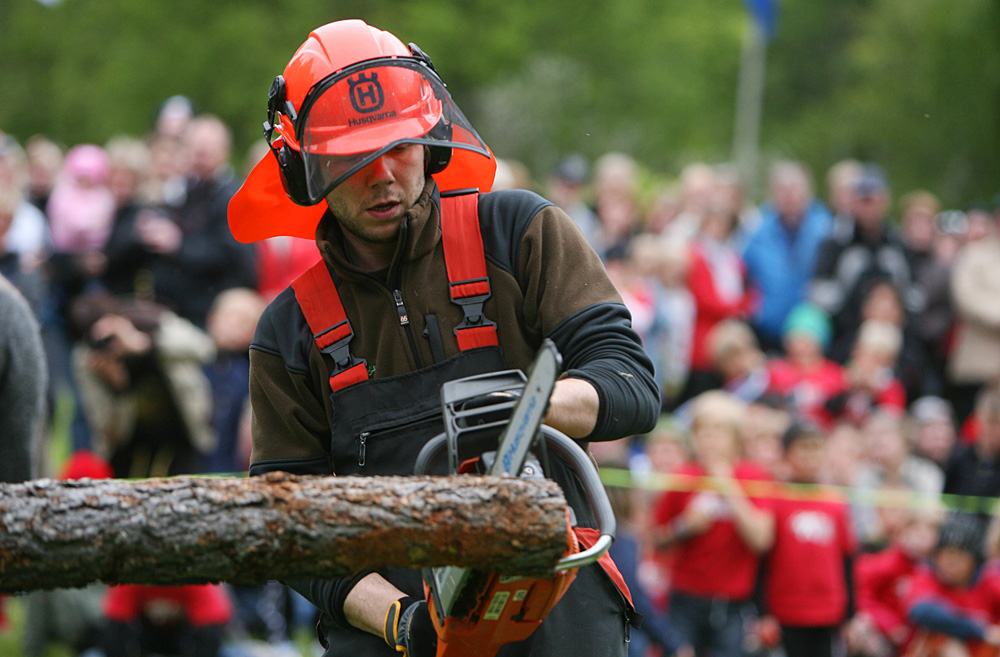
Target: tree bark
189 530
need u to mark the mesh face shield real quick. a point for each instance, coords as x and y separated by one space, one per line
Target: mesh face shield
359 113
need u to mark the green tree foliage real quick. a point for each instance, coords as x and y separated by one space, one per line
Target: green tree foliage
914 84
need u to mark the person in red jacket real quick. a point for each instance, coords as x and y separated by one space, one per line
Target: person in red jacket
807 583
805 375
882 582
718 528
954 602
716 279
186 621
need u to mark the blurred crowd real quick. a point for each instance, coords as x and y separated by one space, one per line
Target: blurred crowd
820 482
823 477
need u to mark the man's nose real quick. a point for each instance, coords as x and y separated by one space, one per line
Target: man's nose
379 170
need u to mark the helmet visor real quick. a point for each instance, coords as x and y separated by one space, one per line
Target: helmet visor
358 114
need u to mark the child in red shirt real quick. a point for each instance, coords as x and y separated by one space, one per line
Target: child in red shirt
807 586
954 601
183 620
716 530
882 582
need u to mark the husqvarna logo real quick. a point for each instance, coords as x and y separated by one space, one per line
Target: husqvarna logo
366 92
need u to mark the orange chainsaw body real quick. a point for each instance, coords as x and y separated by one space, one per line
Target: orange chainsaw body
505 610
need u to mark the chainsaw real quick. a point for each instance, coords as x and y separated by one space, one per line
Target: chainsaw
476 613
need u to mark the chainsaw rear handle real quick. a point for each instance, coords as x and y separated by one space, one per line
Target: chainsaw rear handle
578 459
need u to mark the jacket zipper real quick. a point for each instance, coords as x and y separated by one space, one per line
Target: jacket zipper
404 321
362 446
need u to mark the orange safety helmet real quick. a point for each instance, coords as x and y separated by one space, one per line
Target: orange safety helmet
350 93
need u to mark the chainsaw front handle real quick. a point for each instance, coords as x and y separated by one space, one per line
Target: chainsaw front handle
580 461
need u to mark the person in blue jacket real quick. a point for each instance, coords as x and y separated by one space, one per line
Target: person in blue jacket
781 254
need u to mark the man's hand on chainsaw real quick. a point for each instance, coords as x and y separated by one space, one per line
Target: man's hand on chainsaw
408 628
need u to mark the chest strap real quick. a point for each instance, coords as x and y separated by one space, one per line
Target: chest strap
469 287
465 260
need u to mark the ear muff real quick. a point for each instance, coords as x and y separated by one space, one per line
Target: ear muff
293 171
438 157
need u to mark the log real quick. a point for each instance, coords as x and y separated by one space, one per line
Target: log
187 530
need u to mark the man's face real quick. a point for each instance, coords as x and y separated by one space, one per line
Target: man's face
370 205
870 209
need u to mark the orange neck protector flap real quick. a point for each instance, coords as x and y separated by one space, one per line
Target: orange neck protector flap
261 209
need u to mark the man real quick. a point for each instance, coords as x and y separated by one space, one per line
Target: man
848 261
781 254
362 121
193 258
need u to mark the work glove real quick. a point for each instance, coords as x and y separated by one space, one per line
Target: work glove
408 628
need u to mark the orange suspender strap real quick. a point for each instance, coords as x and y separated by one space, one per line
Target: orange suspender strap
465 260
320 302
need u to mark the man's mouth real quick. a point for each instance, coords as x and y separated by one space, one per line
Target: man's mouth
383 207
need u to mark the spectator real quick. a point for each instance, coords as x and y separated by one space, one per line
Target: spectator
677 307
954 603
45 161
975 469
846 263
890 467
28 233
730 196
615 201
845 454
22 384
935 324
738 360
174 117
807 584
280 260
881 303
764 423
628 268
197 255
139 369
717 531
975 289
696 196
565 188
882 581
807 378
81 204
781 254
180 621
168 166
869 382
130 263
917 210
627 552
716 278
231 324
841 181
27 281
934 429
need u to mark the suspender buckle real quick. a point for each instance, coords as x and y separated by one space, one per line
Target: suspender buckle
472 308
340 350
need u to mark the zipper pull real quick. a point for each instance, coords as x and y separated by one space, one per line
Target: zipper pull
363 441
404 318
